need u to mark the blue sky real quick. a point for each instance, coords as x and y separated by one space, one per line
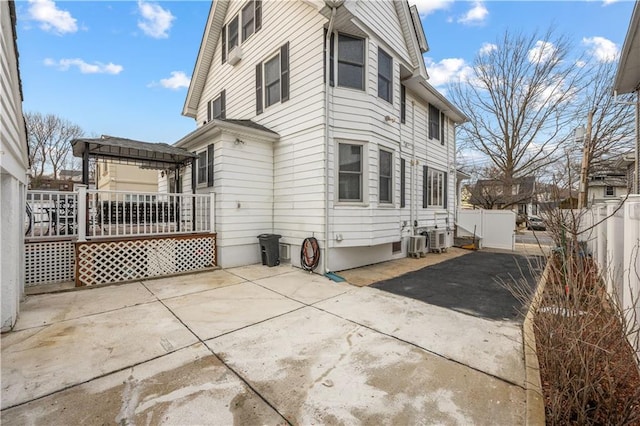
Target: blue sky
122 68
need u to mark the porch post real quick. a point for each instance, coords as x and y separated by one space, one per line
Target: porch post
82 213
85 164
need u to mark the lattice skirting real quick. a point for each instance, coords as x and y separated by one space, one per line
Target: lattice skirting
49 262
101 262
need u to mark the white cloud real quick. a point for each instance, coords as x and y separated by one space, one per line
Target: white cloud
487 48
177 81
84 67
426 7
447 70
156 21
51 18
602 49
608 2
580 63
476 15
542 51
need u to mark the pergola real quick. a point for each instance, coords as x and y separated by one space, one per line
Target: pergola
127 151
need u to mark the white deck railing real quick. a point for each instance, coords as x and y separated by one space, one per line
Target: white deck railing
94 214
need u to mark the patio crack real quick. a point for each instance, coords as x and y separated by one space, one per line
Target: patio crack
236 373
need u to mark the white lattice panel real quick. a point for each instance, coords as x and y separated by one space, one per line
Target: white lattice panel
112 261
49 262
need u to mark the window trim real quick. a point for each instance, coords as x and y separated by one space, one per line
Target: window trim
428 190
389 80
434 133
222 98
282 56
390 201
364 165
337 62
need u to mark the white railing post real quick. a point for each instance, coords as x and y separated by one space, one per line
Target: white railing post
212 212
82 213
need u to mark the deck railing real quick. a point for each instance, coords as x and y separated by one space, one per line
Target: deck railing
94 214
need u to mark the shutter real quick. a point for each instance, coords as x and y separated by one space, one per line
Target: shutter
284 72
425 187
223 104
259 89
444 190
208 111
402 182
194 171
210 165
224 44
443 119
258 16
403 103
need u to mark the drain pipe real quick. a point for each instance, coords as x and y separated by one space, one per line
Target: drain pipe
414 170
327 94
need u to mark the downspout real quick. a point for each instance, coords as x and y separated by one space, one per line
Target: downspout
414 170
327 95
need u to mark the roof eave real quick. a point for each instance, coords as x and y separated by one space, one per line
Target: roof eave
627 80
212 30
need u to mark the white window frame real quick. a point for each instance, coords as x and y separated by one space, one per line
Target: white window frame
251 4
364 172
435 187
390 177
201 165
275 57
337 62
212 102
238 31
389 80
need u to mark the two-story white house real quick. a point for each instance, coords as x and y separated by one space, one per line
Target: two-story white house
316 119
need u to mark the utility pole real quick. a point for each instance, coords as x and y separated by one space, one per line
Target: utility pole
584 170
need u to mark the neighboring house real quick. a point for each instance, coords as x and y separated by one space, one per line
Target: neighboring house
350 144
14 165
628 81
607 181
627 163
125 177
496 194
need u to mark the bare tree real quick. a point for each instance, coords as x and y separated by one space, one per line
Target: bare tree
518 100
49 139
610 127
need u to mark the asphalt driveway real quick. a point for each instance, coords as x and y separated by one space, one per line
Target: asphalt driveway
476 284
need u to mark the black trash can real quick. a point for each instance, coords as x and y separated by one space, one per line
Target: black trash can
270 249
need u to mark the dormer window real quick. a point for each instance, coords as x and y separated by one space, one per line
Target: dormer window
240 28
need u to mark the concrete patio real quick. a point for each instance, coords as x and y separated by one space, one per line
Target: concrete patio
256 345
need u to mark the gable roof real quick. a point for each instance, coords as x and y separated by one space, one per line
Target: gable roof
212 30
215 21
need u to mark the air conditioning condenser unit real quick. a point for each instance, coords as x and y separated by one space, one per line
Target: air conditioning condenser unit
437 240
417 246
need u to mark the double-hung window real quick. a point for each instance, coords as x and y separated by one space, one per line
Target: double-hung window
203 168
351 62
272 80
434 122
386 177
241 27
217 108
385 76
350 172
434 188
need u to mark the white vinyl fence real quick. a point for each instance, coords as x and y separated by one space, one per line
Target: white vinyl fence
493 228
614 240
